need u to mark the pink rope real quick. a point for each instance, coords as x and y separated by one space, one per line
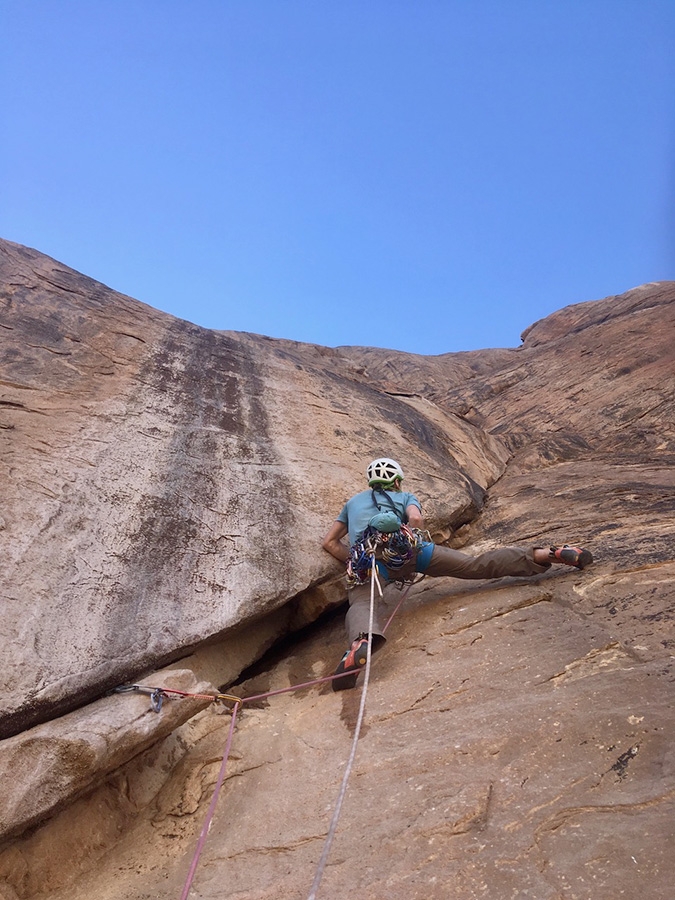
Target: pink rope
398 606
294 687
223 767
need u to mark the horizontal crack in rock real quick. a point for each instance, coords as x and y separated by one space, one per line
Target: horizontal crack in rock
279 848
563 815
530 601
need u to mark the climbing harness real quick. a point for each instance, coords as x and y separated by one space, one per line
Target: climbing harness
393 551
159 694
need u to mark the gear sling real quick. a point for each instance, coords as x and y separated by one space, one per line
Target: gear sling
387 542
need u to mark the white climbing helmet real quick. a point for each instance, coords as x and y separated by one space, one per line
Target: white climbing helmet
383 471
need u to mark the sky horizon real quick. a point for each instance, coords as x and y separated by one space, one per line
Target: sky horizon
421 176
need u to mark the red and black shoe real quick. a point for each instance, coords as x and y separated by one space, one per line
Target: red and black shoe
571 556
352 662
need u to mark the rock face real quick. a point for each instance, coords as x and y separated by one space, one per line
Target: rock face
164 486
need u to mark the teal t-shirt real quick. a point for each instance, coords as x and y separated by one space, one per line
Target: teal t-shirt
360 509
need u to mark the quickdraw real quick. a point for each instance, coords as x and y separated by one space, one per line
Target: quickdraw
159 694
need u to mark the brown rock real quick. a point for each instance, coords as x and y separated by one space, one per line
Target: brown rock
50 765
511 745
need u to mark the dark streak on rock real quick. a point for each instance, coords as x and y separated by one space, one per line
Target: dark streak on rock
621 764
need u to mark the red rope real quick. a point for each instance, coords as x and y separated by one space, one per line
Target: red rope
223 766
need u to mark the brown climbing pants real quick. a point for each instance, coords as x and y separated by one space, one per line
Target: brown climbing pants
493 564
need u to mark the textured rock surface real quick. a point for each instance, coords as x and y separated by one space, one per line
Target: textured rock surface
513 747
518 737
52 764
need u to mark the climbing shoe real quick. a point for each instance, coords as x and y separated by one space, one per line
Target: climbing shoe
571 556
353 661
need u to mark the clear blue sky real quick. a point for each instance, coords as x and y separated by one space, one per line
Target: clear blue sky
425 175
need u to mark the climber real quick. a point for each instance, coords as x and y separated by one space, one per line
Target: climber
387 523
